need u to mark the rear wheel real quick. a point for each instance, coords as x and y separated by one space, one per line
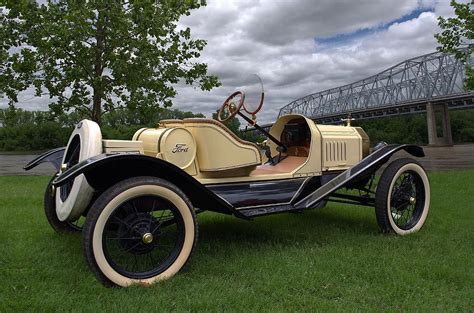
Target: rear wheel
52 217
141 230
402 199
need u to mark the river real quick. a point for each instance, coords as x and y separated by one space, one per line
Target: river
457 157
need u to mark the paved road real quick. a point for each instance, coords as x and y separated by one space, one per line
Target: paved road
437 159
458 157
13 165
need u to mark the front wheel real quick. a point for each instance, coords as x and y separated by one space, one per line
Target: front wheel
141 230
402 199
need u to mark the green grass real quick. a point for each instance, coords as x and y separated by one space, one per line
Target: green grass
332 259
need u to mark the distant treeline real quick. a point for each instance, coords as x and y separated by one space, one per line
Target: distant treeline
413 128
37 130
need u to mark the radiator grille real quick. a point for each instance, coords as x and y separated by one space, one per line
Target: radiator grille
336 151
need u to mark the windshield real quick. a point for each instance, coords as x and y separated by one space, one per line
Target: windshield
252 86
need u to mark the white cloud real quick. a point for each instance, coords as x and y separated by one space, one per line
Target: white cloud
280 22
279 41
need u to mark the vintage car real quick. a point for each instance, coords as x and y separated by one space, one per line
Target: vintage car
140 198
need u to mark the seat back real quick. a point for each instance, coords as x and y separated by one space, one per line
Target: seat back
219 149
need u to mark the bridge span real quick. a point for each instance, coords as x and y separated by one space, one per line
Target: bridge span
429 84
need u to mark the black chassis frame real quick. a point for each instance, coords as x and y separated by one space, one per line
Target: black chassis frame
245 199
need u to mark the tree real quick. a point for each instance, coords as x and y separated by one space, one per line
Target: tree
97 55
22 130
146 117
233 124
458 32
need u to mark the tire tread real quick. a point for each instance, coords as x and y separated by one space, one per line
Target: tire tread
49 206
101 202
381 194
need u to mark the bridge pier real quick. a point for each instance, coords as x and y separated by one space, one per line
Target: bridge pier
434 138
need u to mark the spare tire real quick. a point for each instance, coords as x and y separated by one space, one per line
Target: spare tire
74 197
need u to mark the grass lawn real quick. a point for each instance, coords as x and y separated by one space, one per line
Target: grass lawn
332 259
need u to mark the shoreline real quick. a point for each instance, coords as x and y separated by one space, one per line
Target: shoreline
457 157
35 152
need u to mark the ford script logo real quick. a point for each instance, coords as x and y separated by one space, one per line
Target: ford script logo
180 147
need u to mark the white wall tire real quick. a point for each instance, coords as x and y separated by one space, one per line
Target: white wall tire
402 199
49 205
73 198
119 221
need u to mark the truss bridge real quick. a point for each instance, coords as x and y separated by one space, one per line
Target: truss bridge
428 84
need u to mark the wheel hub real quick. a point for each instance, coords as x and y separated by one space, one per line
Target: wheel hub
138 236
147 238
403 196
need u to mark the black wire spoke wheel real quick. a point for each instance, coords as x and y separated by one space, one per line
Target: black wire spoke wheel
402 198
407 200
143 236
141 230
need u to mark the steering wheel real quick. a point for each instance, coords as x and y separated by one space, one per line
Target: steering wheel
230 108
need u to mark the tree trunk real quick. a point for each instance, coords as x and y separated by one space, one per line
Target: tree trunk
96 107
98 88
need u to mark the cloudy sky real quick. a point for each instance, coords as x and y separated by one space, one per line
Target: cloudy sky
299 47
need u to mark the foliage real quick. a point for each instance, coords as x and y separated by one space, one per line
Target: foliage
413 128
329 260
29 137
123 123
97 55
462 126
406 129
458 32
26 130
253 136
145 116
29 131
233 124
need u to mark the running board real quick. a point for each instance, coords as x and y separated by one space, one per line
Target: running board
266 210
370 162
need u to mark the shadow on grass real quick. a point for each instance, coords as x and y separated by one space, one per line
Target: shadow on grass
229 240
328 224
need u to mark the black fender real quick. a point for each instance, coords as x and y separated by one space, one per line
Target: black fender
104 170
368 165
54 157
